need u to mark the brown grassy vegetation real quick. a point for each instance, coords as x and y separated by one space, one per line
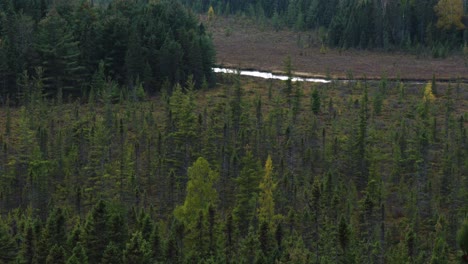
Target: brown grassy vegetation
250 45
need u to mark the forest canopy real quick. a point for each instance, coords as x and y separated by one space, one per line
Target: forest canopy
63 42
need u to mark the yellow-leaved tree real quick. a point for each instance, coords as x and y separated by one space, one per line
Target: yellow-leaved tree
211 13
450 13
428 94
266 210
201 193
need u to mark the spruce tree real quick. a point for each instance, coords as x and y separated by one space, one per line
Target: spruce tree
137 250
78 255
56 255
28 245
111 255
247 192
8 248
315 99
96 231
59 55
462 238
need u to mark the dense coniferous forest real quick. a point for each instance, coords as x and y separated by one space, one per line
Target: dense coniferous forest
139 45
381 24
119 145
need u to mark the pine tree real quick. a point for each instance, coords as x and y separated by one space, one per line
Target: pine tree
117 229
315 101
76 236
137 250
462 238
360 144
170 63
8 248
155 243
55 232
343 234
134 59
56 255
5 70
247 192
183 130
111 255
440 252
78 255
96 231
59 54
249 251
289 85
28 245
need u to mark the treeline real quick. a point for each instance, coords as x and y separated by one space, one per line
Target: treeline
63 43
360 24
252 172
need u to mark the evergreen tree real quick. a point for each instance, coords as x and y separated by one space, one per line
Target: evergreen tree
440 252
183 129
8 248
59 55
96 231
134 59
247 192
462 238
137 250
315 99
55 232
56 255
289 85
28 245
111 255
78 255
156 243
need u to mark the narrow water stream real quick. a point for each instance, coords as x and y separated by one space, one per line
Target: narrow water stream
268 75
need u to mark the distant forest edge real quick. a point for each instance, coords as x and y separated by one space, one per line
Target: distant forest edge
64 48
436 24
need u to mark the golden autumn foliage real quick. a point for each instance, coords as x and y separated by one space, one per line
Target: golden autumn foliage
266 211
428 94
450 13
211 13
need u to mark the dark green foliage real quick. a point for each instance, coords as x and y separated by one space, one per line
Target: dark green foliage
247 194
360 24
78 255
137 250
7 245
56 255
315 100
111 255
69 38
288 68
462 237
97 231
28 246
59 54
156 244
99 181
440 252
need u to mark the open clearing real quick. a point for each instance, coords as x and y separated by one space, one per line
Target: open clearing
245 44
